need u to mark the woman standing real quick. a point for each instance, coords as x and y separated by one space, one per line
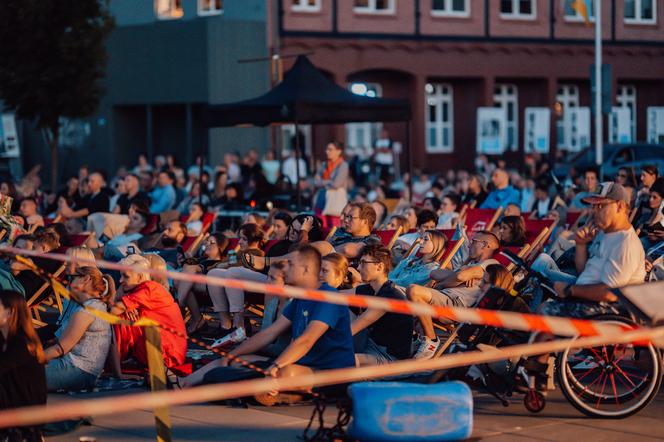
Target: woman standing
331 182
22 378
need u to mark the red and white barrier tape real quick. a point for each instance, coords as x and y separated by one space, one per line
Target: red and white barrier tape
122 404
503 319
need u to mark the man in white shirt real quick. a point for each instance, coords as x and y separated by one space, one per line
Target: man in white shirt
619 261
288 167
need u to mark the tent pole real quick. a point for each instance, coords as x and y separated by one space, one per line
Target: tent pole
297 166
410 163
200 175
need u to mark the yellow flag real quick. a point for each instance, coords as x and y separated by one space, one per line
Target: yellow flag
583 8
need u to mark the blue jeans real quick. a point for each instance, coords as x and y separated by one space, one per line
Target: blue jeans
545 265
62 374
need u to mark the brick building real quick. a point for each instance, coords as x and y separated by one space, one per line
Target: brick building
452 56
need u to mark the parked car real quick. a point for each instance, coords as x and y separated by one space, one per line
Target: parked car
633 156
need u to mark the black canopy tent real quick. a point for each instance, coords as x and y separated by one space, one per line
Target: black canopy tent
307 96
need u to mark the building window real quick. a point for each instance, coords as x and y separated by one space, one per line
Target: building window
506 97
450 8
210 7
440 118
640 11
360 137
571 14
305 5
169 9
518 9
626 97
567 98
374 6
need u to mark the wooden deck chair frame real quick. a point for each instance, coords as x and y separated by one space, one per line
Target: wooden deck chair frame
537 243
412 248
193 249
331 233
34 309
524 250
396 235
448 258
494 219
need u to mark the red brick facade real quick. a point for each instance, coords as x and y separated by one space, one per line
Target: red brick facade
406 49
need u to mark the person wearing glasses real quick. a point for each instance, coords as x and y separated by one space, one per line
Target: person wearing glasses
388 335
618 261
454 287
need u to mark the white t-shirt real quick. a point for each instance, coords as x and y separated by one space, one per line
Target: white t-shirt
619 261
385 158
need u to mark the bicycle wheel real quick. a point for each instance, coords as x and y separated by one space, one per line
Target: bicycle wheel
610 381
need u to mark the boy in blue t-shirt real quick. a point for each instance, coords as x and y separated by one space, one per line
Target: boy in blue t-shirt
321 332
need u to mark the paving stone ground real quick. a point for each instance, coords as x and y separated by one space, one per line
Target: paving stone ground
492 422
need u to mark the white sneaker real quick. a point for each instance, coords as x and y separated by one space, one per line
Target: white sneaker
427 348
234 338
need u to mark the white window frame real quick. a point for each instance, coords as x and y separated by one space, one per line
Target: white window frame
578 17
626 97
370 131
638 20
371 9
203 12
568 97
449 12
304 6
171 13
502 98
438 94
518 15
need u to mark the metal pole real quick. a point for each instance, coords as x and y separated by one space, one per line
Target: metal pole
410 163
297 166
599 152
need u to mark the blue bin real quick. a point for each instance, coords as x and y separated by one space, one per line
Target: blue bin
401 411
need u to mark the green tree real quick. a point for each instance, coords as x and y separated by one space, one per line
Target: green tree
52 58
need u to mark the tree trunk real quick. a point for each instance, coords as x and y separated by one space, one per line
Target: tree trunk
54 157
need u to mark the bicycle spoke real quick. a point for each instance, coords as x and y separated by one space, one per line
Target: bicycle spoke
599 399
613 387
631 390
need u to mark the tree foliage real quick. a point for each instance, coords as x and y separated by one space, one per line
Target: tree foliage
52 58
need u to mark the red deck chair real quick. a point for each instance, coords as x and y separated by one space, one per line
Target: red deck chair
151 226
449 233
481 219
388 237
572 218
535 226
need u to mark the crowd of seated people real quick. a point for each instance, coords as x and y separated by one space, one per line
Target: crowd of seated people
616 241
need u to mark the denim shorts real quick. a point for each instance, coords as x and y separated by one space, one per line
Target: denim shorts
379 352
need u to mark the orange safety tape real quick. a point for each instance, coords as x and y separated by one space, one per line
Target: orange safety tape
113 405
511 320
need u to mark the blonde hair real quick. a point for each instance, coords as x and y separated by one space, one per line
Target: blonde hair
82 254
139 265
339 262
158 263
439 241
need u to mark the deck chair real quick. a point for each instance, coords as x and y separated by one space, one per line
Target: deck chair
37 307
331 233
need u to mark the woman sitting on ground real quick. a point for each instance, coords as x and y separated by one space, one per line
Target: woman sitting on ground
22 379
142 297
77 356
213 253
511 230
417 268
